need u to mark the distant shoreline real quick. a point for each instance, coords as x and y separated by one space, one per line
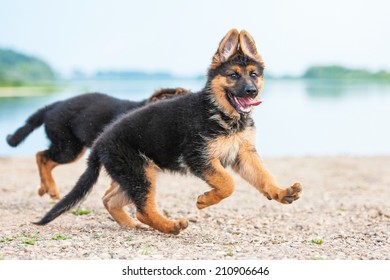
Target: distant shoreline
18 70
48 88
27 90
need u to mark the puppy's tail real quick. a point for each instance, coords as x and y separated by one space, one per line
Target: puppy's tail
80 190
33 122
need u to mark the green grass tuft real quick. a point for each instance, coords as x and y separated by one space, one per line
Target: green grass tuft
145 250
81 212
316 241
30 239
6 239
229 253
130 238
59 237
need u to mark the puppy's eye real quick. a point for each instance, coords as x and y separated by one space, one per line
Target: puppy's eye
254 74
234 76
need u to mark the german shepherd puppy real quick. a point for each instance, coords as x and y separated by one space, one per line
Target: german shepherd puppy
72 125
201 133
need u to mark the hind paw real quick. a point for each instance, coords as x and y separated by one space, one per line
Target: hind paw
52 191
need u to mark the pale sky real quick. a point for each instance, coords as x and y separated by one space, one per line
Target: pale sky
181 36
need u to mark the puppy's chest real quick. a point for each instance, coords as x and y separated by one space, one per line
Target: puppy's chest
226 147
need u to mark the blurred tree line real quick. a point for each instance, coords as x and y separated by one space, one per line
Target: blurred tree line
17 69
336 72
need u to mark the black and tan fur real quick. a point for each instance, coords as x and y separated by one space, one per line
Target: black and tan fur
202 133
73 124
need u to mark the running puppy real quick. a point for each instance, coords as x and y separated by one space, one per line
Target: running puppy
72 125
201 133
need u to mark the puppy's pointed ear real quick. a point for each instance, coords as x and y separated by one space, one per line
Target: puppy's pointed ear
227 48
248 46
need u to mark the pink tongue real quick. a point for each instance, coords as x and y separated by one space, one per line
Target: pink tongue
251 102
256 103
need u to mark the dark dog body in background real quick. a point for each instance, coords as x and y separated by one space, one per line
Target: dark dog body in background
201 133
73 125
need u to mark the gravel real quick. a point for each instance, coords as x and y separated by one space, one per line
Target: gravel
343 213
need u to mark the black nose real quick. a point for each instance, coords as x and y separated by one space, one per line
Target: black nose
250 90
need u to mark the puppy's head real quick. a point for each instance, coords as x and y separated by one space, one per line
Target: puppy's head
164 93
235 75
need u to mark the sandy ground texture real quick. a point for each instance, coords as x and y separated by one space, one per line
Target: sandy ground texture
344 213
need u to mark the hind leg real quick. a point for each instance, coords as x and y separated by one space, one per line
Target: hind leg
45 167
135 175
147 211
47 161
115 199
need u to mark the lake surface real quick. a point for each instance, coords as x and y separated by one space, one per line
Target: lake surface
296 118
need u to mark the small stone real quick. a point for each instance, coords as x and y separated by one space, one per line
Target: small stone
374 213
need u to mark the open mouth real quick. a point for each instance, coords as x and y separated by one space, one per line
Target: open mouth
242 104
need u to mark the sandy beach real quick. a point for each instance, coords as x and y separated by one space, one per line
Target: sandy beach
343 213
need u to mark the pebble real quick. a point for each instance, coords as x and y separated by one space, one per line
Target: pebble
374 213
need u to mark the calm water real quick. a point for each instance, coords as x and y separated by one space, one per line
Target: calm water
296 118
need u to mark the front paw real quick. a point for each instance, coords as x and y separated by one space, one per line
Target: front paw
290 194
202 201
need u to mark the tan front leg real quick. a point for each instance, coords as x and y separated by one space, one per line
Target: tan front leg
250 167
221 182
